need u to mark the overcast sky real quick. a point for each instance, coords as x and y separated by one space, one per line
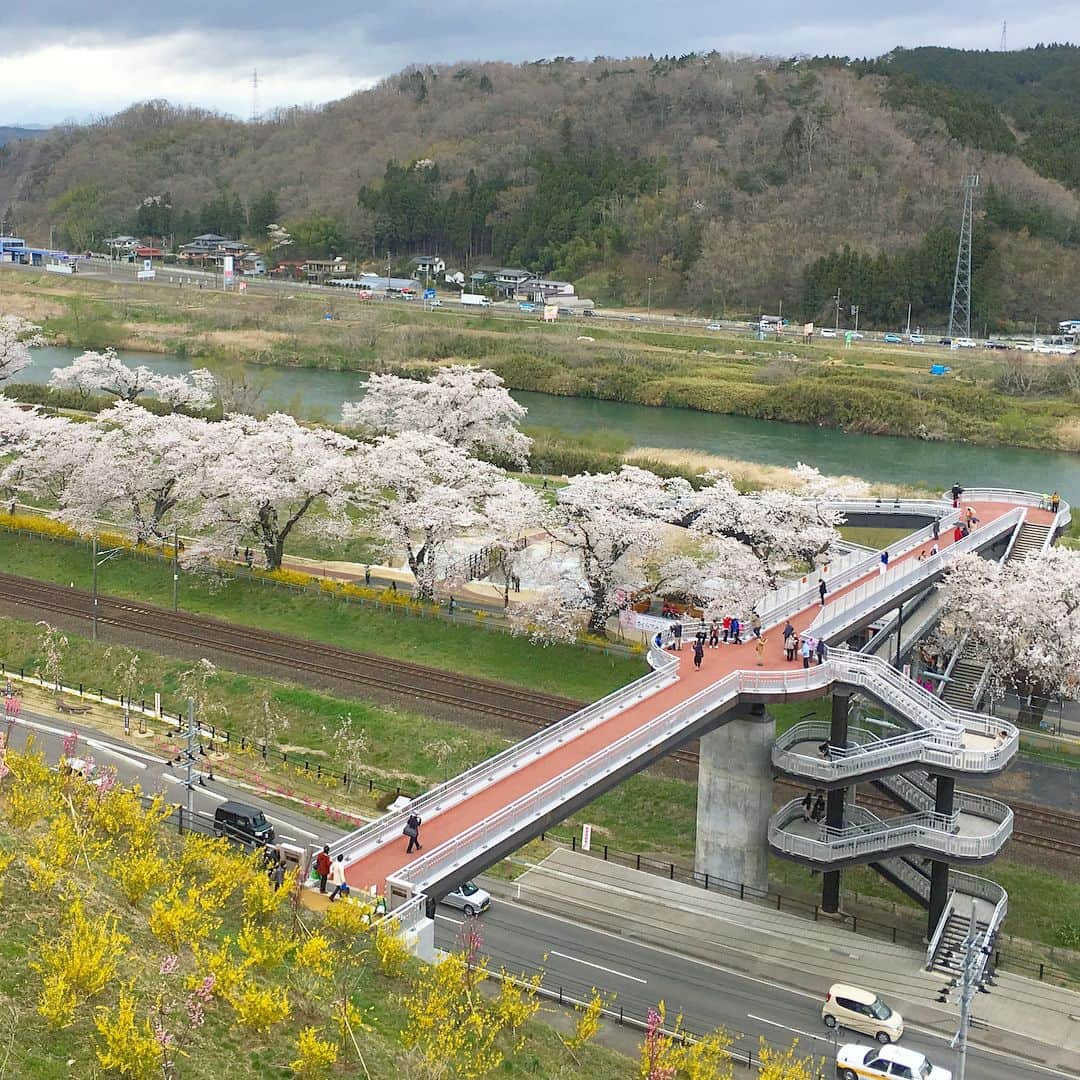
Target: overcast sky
76 59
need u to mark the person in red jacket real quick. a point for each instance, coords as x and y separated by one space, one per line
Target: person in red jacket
322 867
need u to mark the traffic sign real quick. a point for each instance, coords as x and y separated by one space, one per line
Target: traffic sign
429 294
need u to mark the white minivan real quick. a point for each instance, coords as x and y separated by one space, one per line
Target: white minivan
861 1010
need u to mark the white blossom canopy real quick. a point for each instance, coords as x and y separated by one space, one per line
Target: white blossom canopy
105 372
16 338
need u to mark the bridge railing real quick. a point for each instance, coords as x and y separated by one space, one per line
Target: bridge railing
440 798
927 831
870 596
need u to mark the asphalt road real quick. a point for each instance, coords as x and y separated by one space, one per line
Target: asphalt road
574 957
577 958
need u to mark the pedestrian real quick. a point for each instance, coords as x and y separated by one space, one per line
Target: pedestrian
937 527
736 630
807 806
393 586
412 831
367 575
755 623
451 604
277 875
819 807
726 624
958 533
1055 502
819 648
658 640
699 652
934 549
822 589
789 632
791 643
759 648
322 867
337 877
700 636
714 635
805 651
249 557
883 563
957 491
676 634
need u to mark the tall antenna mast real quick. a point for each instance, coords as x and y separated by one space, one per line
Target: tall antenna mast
1004 48
960 309
255 96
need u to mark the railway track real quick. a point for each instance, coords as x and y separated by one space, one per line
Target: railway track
368 671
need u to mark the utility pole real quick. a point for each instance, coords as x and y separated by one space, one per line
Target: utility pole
96 562
969 981
175 568
837 311
960 308
648 312
855 312
388 275
909 320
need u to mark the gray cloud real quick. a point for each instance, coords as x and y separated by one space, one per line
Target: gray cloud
326 47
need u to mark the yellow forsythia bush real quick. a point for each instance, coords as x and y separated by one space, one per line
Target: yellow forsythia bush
315 1057
260 1009
129 1047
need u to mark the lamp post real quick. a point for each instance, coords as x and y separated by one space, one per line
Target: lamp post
110 553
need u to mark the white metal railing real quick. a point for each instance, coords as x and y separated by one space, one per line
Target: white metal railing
926 831
971 887
440 798
904 788
880 591
935 939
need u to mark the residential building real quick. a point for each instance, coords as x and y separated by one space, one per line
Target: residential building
428 266
253 264
319 270
542 289
508 281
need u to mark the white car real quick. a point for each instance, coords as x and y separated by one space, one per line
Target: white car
714 326
854 1062
468 897
965 343
862 1011
916 339
826 332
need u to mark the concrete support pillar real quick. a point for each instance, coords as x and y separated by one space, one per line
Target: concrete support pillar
834 802
734 801
945 790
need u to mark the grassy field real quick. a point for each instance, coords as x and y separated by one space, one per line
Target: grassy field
869 388
572 672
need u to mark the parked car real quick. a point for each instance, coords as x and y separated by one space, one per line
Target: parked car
243 823
966 343
589 313
826 332
854 1062
893 339
944 341
863 1011
916 339
468 897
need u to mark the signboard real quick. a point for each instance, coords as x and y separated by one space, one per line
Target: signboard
58 268
429 294
525 306
586 837
228 274
148 264
551 312
145 275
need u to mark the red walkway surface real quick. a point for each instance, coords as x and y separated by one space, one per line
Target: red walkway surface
373 869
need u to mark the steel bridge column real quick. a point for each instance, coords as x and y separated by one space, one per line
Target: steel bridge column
735 800
945 788
834 802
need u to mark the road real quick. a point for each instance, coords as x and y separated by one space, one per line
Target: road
573 956
577 958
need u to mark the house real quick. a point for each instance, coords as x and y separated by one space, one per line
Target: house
428 266
318 270
122 245
253 264
509 280
145 252
202 246
543 289
10 248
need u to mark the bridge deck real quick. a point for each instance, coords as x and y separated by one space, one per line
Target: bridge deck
389 857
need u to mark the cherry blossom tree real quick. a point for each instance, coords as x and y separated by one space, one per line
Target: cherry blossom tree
136 469
425 493
105 372
43 451
17 336
1024 619
261 480
468 407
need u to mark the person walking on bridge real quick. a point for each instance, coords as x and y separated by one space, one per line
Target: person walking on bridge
1055 502
322 866
736 630
759 648
883 563
412 831
807 650
937 527
699 652
676 635
337 876
755 623
957 491
822 589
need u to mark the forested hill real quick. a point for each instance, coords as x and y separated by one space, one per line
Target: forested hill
730 184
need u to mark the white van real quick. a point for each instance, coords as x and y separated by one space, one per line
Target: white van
861 1010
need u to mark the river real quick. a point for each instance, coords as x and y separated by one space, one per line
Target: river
317 394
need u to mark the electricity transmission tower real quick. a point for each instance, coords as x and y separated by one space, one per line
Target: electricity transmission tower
255 96
1003 48
960 309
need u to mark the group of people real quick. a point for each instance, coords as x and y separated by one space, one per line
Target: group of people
814 806
805 646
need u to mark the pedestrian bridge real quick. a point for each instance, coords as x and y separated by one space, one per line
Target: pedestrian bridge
475 819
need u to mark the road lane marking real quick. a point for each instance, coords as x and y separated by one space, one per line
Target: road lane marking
775 1023
610 971
446 918
290 825
105 748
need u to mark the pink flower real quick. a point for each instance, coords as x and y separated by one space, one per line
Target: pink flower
170 964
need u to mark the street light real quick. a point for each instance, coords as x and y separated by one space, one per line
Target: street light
106 555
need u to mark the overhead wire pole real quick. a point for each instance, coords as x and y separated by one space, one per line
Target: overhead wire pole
960 308
106 555
969 981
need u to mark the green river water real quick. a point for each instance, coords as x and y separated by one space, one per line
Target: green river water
318 394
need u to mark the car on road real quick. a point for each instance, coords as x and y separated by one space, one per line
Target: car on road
856 336
863 1011
714 326
634 318
893 339
916 339
944 340
965 343
243 823
826 332
468 897
854 1062
589 313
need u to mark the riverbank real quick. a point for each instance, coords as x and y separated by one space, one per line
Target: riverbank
868 389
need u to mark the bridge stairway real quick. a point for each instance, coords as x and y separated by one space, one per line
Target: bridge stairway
949 955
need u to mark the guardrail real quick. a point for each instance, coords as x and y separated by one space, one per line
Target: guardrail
972 887
447 794
879 592
930 832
